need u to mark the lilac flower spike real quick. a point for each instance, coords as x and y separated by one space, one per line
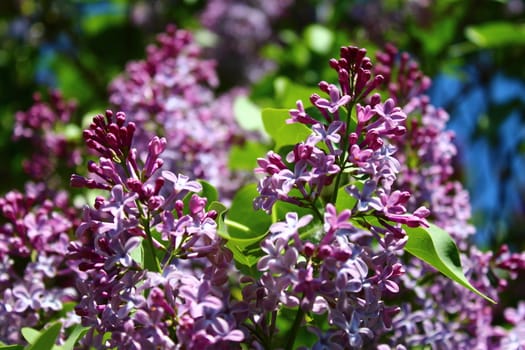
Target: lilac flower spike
338 270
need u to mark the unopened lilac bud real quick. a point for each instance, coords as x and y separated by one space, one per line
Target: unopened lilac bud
324 251
309 249
324 86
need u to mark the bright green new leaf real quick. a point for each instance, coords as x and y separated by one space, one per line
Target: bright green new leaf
209 192
434 246
287 93
30 334
244 224
247 114
239 247
47 338
344 199
137 255
243 227
243 157
282 133
496 34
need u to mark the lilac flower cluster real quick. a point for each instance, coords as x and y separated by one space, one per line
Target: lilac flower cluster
43 127
171 94
36 281
242 28
427 171
348 264
154 272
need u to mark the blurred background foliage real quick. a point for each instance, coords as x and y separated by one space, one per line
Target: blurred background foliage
473 50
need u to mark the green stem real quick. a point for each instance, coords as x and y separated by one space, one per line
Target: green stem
342 157
154 261
317 212
292 334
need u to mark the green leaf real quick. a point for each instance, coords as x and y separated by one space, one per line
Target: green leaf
96 23
77 334
244 227
30 334
47 339
344 199
137 254
209 192
434 246
280 209
243 157
496 34
319 38
244 260
287 93
283 134
151 262
11 347
247 114
244 224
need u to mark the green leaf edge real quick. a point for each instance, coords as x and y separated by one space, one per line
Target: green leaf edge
46 341
435 247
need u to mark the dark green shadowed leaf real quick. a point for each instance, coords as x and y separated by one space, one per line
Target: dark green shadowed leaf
243 227
434 246
11 347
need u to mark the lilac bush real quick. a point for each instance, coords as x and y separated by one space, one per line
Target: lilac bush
347 264
311 256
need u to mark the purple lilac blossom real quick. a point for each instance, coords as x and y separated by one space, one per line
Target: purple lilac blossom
172 94
441 313
242 28
41 126
345 271
36 280
182 299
